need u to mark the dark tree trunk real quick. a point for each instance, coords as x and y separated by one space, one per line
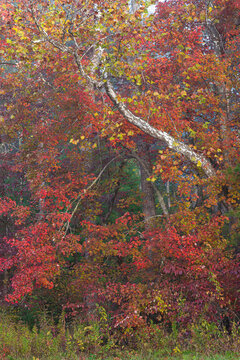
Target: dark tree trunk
148 200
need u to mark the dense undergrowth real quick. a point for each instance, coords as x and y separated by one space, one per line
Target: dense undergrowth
96 340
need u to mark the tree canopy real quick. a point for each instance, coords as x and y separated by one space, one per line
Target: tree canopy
120 157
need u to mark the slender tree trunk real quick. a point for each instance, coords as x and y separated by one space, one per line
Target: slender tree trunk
148 201
168 194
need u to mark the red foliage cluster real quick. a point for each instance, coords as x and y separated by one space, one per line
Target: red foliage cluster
120 144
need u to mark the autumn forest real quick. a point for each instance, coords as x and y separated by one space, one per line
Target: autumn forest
120 172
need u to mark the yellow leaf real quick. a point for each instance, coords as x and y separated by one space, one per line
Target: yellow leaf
82 137
199 164
205 125
120 136
94 146
176 350
130 133
74 142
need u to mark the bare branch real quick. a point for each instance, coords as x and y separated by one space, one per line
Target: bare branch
8 63
82 195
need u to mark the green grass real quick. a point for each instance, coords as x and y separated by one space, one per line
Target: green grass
85 342
184 356
125 356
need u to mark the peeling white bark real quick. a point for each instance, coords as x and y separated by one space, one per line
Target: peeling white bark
169 140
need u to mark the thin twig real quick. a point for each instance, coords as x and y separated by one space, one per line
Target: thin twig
81 196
